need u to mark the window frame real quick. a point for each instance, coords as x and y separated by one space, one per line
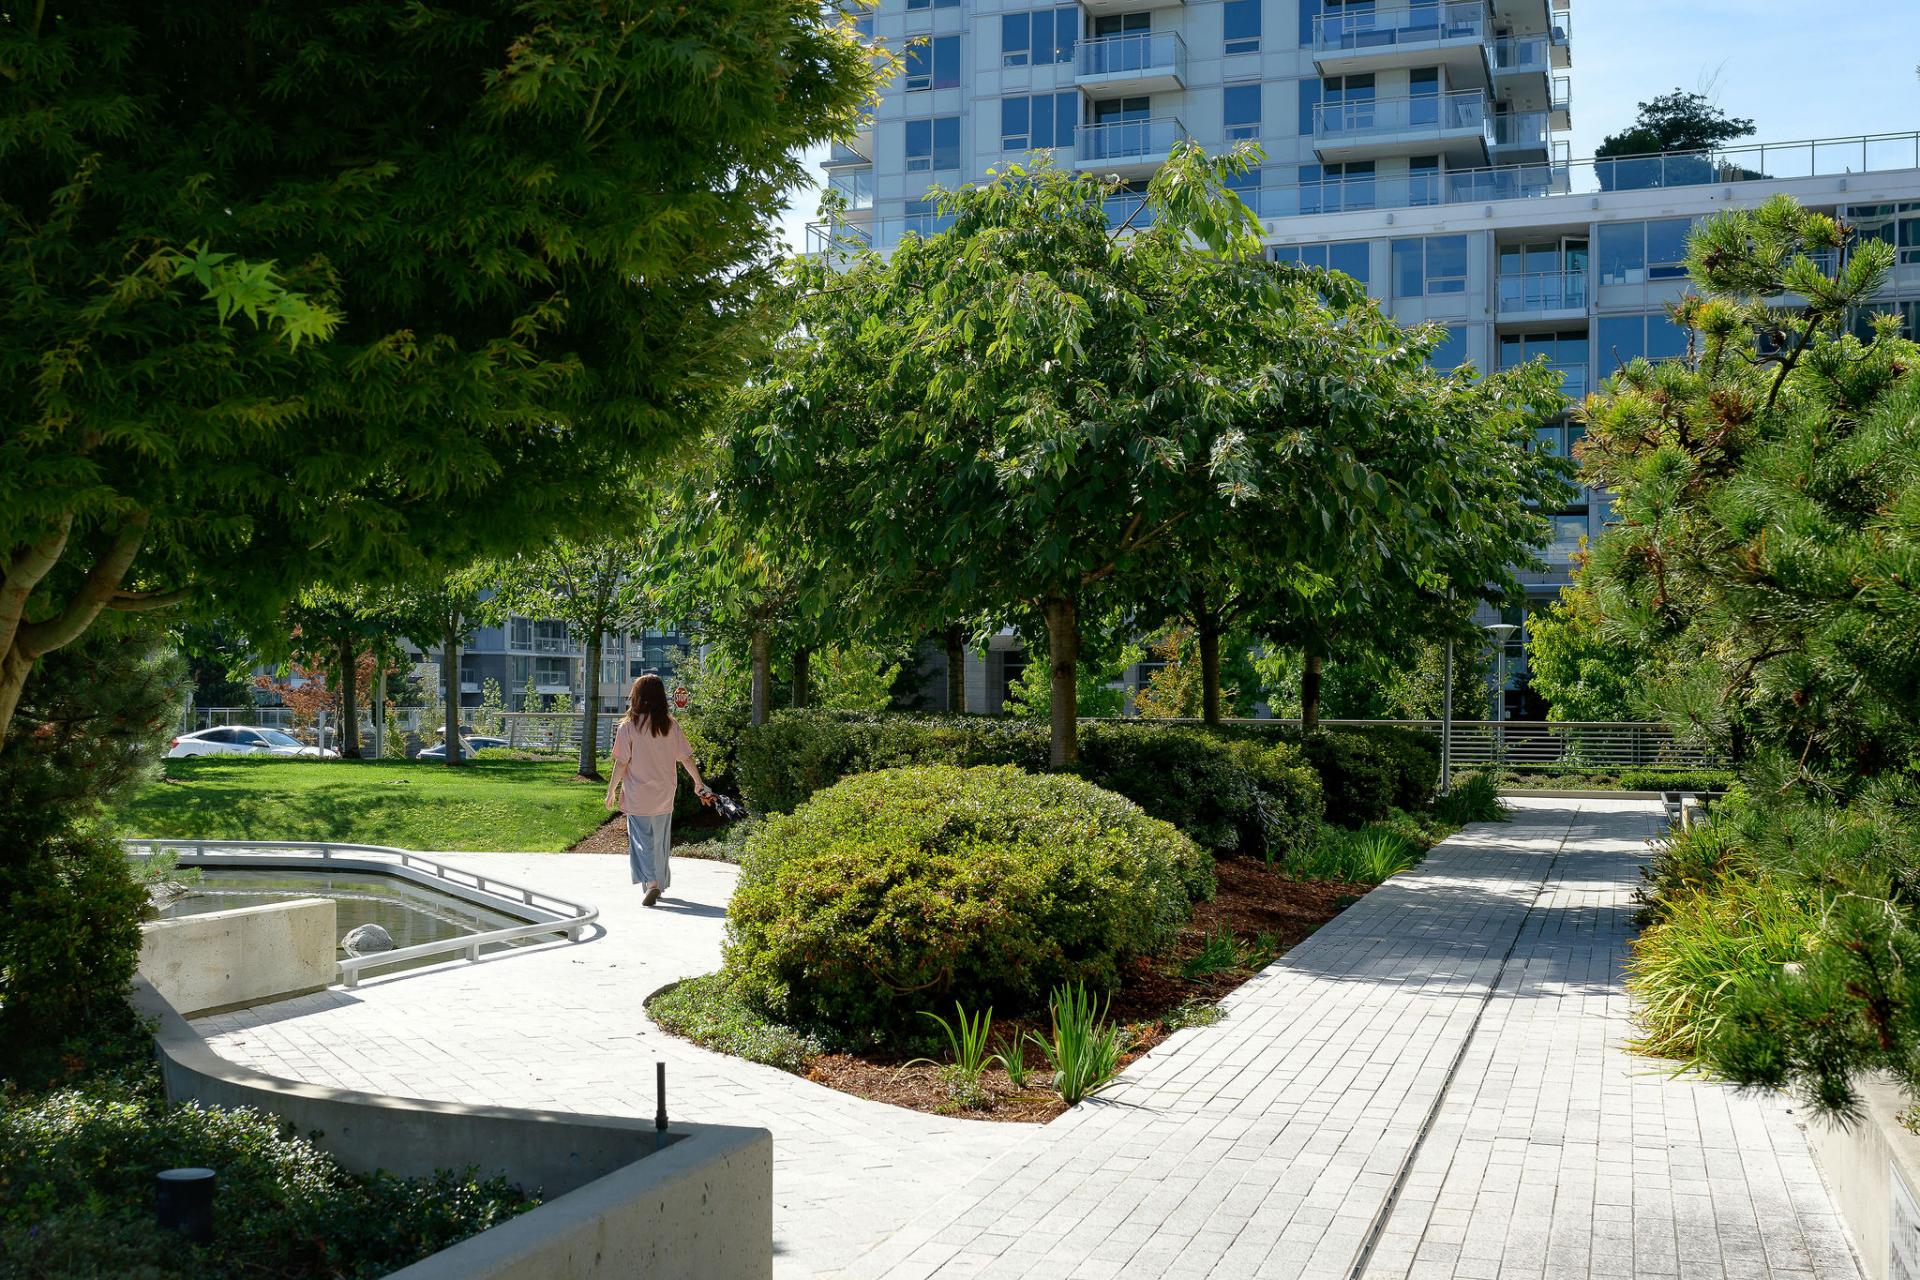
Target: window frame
1232 45
1238 130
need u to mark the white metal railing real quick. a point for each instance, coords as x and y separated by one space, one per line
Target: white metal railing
1133 53
1418 26
561 915
1439 112
1573 744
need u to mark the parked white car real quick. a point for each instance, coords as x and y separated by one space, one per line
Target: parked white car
438 751
245 740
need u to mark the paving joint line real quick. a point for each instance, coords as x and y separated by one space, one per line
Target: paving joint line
1377 1229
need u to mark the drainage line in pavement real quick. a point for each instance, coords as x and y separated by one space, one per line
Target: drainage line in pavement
1378 1227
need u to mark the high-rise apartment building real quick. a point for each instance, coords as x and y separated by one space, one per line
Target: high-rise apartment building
1417 147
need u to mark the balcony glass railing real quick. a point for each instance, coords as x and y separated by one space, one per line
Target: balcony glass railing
855 186
1136 52
1522 53
1434 112
1421 24
1538 291
1762 162
1128 140
1523 129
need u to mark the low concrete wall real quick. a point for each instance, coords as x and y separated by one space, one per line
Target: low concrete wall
616 1207
228 959
1873 1168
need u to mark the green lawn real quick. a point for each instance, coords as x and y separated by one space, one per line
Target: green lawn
535 806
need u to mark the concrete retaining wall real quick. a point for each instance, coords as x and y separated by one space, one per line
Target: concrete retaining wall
228 959
702 1208
1873 1168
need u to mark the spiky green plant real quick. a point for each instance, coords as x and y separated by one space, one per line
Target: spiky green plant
967 1040
1085 1048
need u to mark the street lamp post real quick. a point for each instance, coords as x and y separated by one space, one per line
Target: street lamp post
1501 633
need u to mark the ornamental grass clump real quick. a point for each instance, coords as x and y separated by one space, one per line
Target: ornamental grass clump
967 1040
891 891
1084 1050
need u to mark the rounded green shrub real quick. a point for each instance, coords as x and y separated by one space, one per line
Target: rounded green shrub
908 889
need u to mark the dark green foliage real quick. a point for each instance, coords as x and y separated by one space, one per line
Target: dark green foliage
891 892
1568 778
76 1195
1677 121
309 289
1364 773
1373 853
1233 793
1474 797
711 1010
94 713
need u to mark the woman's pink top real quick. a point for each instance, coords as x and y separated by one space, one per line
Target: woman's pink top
644 762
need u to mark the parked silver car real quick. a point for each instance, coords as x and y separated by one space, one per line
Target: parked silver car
245 740
468 745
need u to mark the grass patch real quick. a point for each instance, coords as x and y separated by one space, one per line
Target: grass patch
710 1011
518 805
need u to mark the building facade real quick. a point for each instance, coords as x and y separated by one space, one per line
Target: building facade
1418 147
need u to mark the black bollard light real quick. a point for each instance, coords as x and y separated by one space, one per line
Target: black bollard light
183 1202
659 1106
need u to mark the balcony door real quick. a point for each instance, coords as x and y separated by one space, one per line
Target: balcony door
1126 32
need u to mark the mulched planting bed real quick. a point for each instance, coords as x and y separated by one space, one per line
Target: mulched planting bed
1266 914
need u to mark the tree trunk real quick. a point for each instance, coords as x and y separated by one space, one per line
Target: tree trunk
1310 693
762 660
802 668
349 701
15 667
590 715
1063 655
450 684
957 669
1208 629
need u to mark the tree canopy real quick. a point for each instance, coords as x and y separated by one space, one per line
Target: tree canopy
1677 121
316 290
1036 413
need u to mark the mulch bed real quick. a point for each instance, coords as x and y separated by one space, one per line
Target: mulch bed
1252 901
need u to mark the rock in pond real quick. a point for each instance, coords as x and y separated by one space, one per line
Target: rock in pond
366 939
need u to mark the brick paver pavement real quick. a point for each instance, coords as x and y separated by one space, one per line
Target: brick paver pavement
562 1027
1431 1086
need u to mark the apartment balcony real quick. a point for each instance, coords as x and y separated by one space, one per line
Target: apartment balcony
1130 148
1522 136
1450 34
1456 125
1531 17
1097 7
1542 295
1134 63
858 151
854 186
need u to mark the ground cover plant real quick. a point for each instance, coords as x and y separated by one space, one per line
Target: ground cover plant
527 805
76 1185
858 894
1574 778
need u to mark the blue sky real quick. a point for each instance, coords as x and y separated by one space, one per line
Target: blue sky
1798 71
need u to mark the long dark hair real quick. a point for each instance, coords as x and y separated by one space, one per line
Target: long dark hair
648 701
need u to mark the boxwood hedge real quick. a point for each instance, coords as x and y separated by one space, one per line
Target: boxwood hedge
904 890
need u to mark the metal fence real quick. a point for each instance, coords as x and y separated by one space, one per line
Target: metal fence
1623 744
528 730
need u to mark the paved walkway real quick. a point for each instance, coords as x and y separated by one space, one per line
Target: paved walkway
1431 1086
562 1027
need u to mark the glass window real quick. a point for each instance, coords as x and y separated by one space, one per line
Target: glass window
1038 37
1623 339
1452 351
1435 265
1016 39
1042 120
933 143
1241 20
1309 103
1569 531
1565 352
1667 248
932 4
1354 257
933 63
1622 252
1241 104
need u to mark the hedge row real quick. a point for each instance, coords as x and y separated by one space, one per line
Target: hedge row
1246 789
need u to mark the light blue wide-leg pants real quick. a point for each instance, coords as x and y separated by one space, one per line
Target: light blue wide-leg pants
648 839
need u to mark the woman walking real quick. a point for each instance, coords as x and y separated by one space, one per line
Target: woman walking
648 750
